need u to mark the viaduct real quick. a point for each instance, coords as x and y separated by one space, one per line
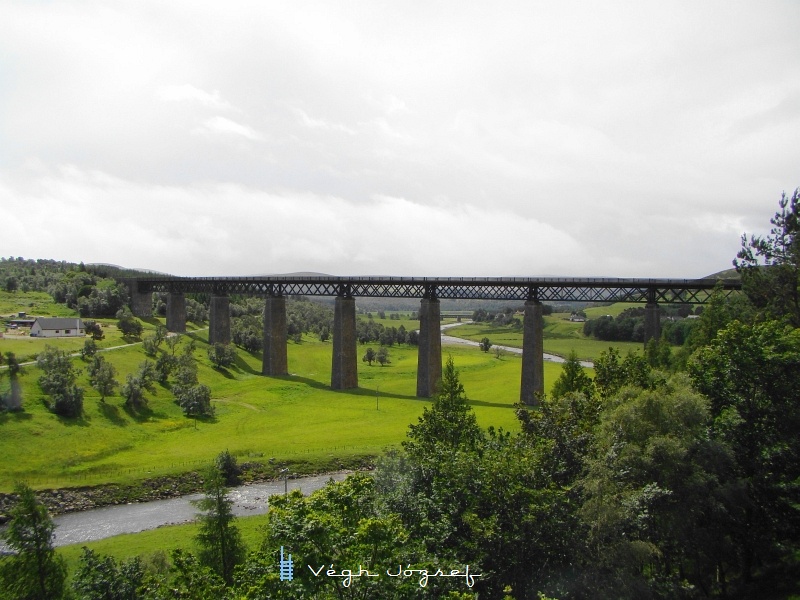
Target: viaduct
344 373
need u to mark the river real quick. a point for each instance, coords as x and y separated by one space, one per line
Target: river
99 523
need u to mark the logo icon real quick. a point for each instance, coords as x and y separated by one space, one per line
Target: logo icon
286 567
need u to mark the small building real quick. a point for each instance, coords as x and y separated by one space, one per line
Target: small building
57 327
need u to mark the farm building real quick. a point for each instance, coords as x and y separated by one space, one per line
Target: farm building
57 327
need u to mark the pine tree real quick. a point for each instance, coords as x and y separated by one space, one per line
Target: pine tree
221 545
35 571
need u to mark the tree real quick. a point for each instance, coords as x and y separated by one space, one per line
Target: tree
93 328
102 376
58 381
573 379
749 373
226 465
651 495
35 571
89 349
341 522
195 400
449 422
135 385
172 342
485 344
221 545
369 356
222 355
611 373
102 578
13 399
770 266
129 325
150 344
382 356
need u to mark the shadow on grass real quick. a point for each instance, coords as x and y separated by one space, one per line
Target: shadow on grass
141 414
224 372
243 366
472 402
81 421
14 415
111 412
359 391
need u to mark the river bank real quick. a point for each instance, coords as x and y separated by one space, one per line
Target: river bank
68 500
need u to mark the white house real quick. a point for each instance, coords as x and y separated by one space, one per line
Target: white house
57 327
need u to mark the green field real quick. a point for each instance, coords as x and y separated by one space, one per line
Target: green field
38 304
296 418
161 540
561 335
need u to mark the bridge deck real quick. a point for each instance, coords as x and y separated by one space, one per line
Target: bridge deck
547 289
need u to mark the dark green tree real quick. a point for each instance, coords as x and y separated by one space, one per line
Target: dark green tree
93 329
35 571
750 375
221 546
573 378
129 325
770 265
485 344
449 422
102 578
382 356
369 356
11 400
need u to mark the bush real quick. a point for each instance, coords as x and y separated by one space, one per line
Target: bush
222 355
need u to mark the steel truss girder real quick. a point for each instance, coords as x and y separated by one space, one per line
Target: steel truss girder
545 289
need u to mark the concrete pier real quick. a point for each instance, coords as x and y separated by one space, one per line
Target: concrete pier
344 371
652 322
142 304
532 386
176 313
275 360
429 359
219 320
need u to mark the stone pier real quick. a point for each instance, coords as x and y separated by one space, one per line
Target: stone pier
275 361
429 359
652 322
176 313
344 371
141 304
532 387
219 320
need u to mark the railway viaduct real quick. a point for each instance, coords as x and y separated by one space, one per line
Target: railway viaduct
344 371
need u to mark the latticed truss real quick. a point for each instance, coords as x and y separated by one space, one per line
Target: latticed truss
545 289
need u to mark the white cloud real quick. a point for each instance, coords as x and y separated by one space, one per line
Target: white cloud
227 126
186 92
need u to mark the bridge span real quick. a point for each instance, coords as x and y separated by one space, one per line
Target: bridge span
344 373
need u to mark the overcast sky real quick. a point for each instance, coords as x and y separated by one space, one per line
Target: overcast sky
622 139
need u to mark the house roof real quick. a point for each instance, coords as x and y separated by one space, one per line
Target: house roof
59 323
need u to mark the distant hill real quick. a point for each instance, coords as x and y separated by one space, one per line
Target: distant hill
726 274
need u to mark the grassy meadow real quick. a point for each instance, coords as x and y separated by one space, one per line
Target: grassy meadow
561 335
295 418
